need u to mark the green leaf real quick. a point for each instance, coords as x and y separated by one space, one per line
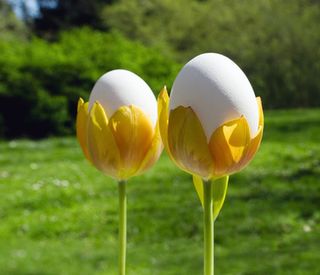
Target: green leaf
219 192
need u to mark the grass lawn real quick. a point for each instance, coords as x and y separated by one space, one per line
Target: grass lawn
58 215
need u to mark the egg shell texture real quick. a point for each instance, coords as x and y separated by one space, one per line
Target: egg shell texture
123 88
217 90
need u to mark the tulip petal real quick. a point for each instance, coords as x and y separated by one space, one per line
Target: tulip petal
163 114
228 144
188 143
256 140
133 133
81 126
219 192
163 106
261 116
153 152
102 146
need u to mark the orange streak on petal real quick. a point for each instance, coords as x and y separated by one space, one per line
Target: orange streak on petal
133 133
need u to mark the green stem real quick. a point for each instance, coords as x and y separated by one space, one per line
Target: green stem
122 227
208 224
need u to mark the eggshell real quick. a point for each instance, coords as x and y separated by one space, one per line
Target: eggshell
123 88
217 90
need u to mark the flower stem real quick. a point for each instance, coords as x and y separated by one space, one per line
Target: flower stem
208 223
122 227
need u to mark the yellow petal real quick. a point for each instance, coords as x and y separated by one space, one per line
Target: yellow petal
103 149
81 126
133 133
256 140
252 148
228 145
80 104
163 116
153 152
188 143
261 116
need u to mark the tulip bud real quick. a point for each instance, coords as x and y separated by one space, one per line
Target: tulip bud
117 129
213 124
119 88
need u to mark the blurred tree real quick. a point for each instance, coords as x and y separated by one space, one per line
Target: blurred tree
10 26
160 23
275 42
57 15
41 81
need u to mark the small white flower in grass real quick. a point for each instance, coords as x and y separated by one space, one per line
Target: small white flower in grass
307 228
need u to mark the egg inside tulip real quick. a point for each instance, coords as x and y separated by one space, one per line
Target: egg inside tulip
123 88
217 90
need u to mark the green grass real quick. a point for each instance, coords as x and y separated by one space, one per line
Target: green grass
58 215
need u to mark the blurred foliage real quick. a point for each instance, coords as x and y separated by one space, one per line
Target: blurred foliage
10 27
275 42
40 82
60 15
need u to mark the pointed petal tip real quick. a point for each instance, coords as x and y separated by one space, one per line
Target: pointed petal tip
260 108
164 93
80 103
93 109
96 107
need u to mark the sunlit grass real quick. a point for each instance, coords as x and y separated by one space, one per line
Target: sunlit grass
58 215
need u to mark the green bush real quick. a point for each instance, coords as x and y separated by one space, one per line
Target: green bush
40 82
275 42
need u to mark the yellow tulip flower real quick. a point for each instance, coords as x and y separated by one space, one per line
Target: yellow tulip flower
230 147
123 145
119 134
211 127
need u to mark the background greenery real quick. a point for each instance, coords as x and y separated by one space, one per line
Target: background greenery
59 214
44 80
50 58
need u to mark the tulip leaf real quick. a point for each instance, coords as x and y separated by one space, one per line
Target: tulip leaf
219 192
198 185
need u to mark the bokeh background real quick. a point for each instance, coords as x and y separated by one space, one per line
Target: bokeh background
58 215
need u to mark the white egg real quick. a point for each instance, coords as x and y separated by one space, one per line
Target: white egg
123 88
217 90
